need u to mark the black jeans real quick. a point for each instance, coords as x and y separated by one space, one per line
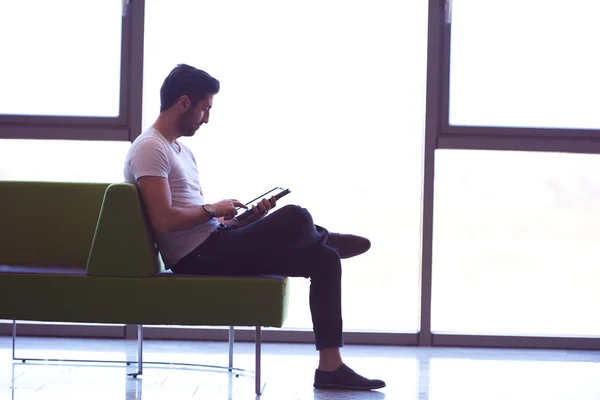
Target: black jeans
285 242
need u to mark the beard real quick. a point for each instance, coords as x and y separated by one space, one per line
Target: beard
187 124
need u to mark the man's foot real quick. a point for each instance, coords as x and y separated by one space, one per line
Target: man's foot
348 245
344 378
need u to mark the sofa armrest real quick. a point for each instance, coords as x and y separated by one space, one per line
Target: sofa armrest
123 245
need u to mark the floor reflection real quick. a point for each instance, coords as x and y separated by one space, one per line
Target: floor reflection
288 370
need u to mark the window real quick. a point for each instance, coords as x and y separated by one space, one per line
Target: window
74 64
62 160
525 63
65 74
334 112
328 99
515 248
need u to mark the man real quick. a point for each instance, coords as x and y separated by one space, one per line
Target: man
206 239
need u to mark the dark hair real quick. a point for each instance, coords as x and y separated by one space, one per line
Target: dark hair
186 80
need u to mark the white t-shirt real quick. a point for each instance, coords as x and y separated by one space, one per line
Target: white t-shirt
152 155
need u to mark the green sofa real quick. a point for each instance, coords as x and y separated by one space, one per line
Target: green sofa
82 252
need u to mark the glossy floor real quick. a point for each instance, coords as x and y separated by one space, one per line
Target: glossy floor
411 373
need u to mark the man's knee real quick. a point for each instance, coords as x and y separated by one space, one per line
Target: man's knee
296 215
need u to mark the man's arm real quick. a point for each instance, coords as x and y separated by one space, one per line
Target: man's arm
163 215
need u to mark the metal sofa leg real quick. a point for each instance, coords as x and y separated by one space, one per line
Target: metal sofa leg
231 340
14 343
140 362
257 381
14 340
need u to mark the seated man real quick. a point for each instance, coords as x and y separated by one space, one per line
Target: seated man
206 239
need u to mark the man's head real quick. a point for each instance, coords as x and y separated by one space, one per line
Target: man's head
187 93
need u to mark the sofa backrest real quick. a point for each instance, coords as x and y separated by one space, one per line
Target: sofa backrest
123 244
98 225
48 222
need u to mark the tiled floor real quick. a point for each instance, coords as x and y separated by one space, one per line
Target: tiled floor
411 373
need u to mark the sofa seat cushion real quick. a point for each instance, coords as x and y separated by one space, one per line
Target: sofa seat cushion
64 294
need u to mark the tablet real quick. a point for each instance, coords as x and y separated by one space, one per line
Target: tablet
278 192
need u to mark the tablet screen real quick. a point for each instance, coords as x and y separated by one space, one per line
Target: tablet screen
273 192
276 191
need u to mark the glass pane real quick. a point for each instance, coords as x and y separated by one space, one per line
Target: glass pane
63 57
332 112
525 63
516 243
62 160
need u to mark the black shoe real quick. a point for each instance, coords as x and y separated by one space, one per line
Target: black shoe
344 378
348 245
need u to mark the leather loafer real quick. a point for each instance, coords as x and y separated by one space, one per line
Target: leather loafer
348 245
344 378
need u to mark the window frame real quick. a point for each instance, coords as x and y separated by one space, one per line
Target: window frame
120 128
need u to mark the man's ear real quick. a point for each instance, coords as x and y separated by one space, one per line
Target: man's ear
184 103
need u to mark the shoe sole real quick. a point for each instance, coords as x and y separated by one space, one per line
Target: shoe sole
350 255
346 256
344 387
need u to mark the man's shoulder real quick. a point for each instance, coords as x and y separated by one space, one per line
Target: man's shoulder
150 134
148 142
148 155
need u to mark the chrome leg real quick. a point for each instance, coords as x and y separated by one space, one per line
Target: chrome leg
257 385
231 340
14 339
140 348
140 362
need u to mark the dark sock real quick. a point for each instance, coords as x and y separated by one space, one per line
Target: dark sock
344 378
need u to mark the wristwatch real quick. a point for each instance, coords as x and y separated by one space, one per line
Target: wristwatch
210 209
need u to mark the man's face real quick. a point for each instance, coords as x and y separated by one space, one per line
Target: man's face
192 118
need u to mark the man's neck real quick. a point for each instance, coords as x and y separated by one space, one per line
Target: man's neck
167 127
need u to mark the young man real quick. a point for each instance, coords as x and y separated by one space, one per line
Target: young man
206 239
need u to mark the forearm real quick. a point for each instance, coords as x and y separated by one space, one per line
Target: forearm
178 219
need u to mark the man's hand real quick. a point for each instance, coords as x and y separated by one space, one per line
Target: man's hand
259 211
226 208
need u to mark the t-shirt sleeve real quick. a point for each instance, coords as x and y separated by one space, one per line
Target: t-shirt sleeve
149 159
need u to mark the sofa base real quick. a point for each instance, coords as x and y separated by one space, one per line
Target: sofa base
259 387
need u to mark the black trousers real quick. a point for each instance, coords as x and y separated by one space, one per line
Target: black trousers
285 242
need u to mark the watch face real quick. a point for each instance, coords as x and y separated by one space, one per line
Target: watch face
210 208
